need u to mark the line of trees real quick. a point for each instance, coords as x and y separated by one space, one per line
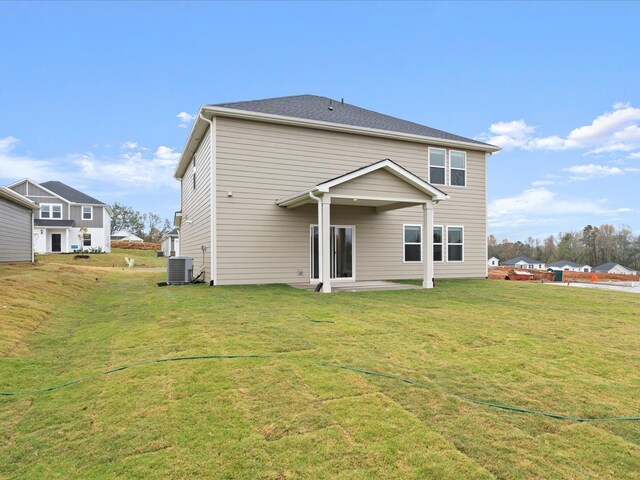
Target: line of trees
148 226
591 246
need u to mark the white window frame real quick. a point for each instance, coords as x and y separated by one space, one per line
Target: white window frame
459 169
461 244
84 238
50 211
444 167
405 243
90 212
441 244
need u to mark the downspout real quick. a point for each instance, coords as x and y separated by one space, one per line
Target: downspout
213 202
319 201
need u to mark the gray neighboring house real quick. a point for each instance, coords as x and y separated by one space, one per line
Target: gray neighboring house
171 243
569 266
16 234
524 262
67 219
612 267
309 189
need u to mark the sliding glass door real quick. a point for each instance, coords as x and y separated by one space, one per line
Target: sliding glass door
341 248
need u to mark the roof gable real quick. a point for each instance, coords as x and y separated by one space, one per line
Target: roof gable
524 259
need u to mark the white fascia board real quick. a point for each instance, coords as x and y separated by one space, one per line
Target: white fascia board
265 117
15 197
198 129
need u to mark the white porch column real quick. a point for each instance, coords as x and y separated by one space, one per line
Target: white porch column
427 242
67 239
324 234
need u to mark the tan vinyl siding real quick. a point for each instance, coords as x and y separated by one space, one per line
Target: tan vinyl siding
259 242
16 234
96 222
378 184
195 231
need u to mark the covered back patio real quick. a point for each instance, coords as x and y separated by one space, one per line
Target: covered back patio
382 185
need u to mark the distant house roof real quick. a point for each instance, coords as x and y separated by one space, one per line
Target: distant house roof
48 222
513 261
605 267
69 193
171 233
313 107
126 236
566 263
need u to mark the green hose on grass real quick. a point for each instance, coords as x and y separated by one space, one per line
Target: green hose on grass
556 416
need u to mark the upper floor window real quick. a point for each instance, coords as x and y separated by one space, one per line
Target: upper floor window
455 244
437 244
48 210
458 168
437 160
87 213
413 243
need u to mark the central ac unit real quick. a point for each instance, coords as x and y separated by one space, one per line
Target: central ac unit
179 270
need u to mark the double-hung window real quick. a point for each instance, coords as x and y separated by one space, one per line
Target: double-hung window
87 213
86 240
437 244
48 210
455 244
437 162
413 243
458 168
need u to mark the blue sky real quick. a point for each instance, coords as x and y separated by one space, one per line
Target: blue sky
90 93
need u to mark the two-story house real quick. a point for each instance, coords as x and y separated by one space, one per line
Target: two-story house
67 220
309 189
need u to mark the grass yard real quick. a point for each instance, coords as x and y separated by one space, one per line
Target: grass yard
115 259
563 350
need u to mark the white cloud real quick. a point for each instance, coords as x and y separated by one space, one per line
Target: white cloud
135 167
540 205
185 119
542 183
591 170
614 131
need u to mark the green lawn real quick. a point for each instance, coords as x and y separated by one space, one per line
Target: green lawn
142 258
563 350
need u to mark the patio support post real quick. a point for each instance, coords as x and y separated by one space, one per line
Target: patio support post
427 241
67 240
324 234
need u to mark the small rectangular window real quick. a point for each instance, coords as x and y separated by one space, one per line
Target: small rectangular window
56 211
194 172
437 162
458 168
437 244
455 244
87 213
412 243
45 211
86 240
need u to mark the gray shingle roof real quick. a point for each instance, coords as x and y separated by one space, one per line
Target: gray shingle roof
513 261
71 194
605 267
564 263
313 107
47 222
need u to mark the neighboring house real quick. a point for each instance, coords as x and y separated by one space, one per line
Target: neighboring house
16 234
171 243
493 262
309 189
67 219
124 236
616 268
569 266
524 262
